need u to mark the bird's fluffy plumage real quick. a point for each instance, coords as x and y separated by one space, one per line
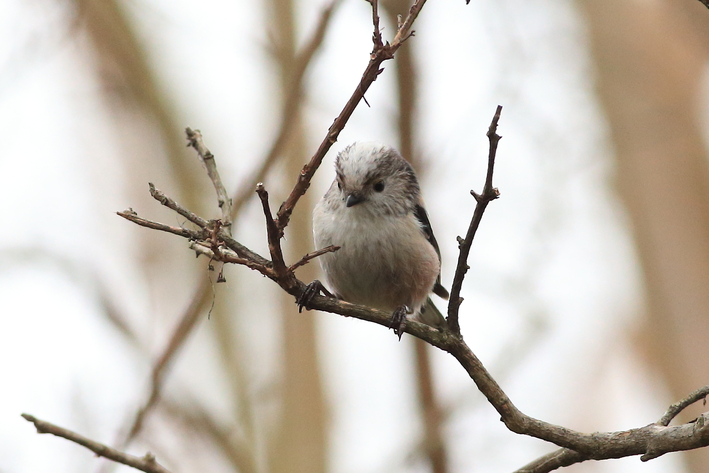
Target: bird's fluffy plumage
373 210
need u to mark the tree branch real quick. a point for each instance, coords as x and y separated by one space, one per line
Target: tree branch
678 407
489 194
313 254
377 35
194 138
171 204
274 238
179 231
146 463
380 53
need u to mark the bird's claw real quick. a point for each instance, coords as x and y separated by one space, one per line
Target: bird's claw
311 290
398 320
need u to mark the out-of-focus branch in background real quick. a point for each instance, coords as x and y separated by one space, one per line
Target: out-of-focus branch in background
433 444
651 64
298 442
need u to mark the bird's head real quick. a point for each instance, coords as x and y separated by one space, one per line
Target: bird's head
375 178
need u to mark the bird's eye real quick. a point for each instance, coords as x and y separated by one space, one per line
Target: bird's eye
379 186
339 185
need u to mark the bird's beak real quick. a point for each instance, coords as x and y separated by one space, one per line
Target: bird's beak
354 199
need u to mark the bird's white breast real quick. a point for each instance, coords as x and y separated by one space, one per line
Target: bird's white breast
384 261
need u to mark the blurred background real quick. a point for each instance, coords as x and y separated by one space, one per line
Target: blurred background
588 293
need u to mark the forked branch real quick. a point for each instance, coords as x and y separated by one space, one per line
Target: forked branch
380 53
488 194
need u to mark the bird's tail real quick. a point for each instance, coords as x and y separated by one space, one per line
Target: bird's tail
430 315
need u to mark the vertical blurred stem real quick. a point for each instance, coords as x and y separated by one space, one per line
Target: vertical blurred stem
129 77
406 80
407 87
650 69
431 410
299 443
226 317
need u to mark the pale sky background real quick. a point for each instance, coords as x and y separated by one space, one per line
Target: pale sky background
550 301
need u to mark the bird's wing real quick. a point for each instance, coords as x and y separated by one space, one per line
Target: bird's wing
422 217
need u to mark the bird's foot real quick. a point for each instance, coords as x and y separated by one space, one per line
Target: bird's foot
398 320
311 290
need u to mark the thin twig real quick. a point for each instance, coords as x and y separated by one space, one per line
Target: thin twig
371 72
405 32
146 463
678 407
313 254
274 238
194 138
180 231
489 194
377 35
291 106
171 204
553 461
226 255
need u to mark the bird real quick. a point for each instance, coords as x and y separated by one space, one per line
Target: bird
388 257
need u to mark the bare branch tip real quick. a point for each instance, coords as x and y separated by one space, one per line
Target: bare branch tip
495 120
128 213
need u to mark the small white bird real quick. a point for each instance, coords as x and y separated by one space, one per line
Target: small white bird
388 257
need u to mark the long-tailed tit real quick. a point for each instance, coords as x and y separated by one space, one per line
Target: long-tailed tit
388 257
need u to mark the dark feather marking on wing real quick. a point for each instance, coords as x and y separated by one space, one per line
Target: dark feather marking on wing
422 217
